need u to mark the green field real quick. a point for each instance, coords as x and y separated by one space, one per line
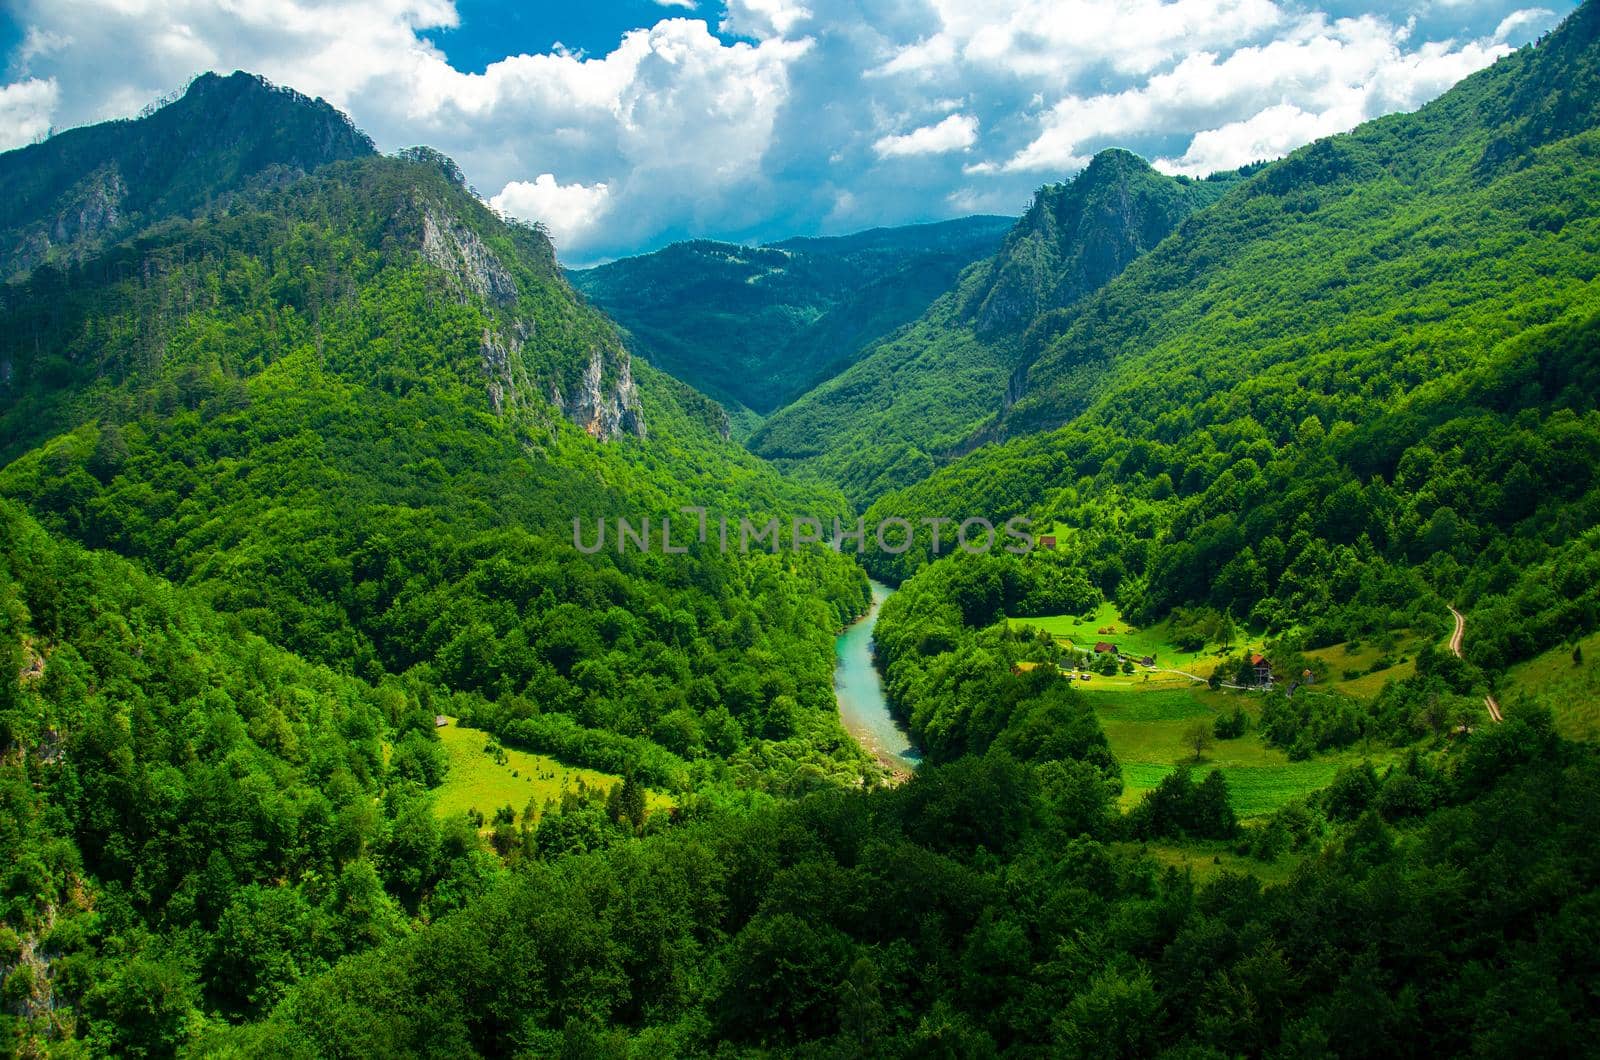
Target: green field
1360 656
1205 859
477 782
1083 632
1146 734
1571 692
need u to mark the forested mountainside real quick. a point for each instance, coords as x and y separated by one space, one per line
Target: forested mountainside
758 326
1360 386
914 400
361 413
320 735
354 414
65 198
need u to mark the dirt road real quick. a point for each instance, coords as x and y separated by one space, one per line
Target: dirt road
1455 647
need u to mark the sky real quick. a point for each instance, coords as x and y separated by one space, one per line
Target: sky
626 125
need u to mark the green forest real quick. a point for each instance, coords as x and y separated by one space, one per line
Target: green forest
321 733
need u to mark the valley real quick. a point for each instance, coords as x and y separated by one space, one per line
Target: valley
863 707
322 733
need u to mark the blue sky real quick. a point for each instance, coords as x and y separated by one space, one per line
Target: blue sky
623 126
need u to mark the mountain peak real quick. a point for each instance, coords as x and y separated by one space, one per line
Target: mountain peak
1079 234
63 198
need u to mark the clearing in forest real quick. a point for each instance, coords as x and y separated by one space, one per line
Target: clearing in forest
1147 736
483 781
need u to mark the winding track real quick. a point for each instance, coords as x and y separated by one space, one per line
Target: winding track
1455 646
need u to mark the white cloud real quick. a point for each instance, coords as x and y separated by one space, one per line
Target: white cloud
1055 39
958 132
1318 78
1529 18
567 211
25 109
784 129
1270 133
763 19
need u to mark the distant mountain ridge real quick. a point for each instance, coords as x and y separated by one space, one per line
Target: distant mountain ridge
758 326
84 188
919 397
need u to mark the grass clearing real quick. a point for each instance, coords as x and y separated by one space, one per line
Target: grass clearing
1083 632
1361 655
477 782
1147 732
1570 691
1207 859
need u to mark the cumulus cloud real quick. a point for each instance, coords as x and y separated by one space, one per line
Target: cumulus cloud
1320 77
956 133
763 18
25 109
763 118
1520 22
567 211
1054 39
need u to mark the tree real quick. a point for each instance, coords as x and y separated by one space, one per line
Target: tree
1231 726
110 453
1198 738
860 1009
1228 631
630 801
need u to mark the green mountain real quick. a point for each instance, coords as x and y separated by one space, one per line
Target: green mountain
1359 387
758 326
364 363
63 199
353 415
917 398
288 476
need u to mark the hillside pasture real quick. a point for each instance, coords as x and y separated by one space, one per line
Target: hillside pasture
1146 733
1569 690
476 781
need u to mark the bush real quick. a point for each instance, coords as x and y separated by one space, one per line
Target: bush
1231 726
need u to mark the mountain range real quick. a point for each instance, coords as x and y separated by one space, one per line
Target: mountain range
323 732
756 327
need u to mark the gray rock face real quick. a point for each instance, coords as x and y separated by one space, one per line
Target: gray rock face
604 400
605 412
89 211
457 250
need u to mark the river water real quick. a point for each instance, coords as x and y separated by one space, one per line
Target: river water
859 689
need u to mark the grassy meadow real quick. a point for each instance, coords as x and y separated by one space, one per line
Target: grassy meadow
1146 732
1204 859
1570 690
476 781
1106 623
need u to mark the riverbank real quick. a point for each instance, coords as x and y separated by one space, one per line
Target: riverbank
863 706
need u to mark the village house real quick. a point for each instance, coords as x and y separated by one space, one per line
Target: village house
1263 669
